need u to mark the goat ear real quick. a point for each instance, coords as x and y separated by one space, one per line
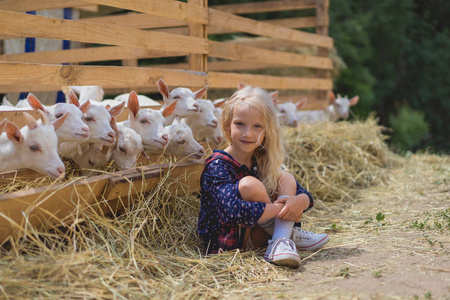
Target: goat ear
354 100
163 89
240 85
31 122
331 96
44 118
73 99
168 110
85 106
201 92
275 95
133 103
13 132
35 103
58 122
176 121
116 110
301 103
220 102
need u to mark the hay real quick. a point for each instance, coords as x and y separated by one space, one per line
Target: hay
152 250
335 160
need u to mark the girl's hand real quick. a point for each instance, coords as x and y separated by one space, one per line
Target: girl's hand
293 208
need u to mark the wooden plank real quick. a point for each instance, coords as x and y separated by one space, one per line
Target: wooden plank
191 13
29 5
268 6
250 54
198 62
313 102
170 9
231 80
53 28
322 29
88 55
55 76
59 203
226 20
137 20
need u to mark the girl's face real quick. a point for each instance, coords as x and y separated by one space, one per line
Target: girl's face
247 129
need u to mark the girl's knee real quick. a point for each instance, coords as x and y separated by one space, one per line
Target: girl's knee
252 189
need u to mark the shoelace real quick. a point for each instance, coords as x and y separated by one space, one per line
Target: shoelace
289 242
303 233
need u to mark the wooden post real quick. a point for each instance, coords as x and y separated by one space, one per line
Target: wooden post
198 62
322 23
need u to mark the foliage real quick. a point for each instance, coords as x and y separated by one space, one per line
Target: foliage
396 52
409 128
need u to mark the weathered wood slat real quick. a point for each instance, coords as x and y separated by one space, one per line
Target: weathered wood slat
268 6
55 76
250 54
57 203
52 28
230 80
29 5
226 20
191 13
88 55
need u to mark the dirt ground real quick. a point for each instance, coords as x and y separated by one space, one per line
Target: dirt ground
392 243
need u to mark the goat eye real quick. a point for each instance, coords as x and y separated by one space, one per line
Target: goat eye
282 111
34 148
143 121
88 119
59 116
91 163
176 97
122 149
181 142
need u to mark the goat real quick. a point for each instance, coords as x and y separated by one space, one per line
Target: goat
98 119
182 142
87 92
149 123
186 100
287 111
73 129
205 125
339 108
34 146
143 100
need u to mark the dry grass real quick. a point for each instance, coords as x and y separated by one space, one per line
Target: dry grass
151 249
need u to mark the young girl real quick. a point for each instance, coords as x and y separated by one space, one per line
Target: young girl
245 186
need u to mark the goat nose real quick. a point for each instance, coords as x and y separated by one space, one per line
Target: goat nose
202 151
165 137
61 170
112 134
85 129
294 123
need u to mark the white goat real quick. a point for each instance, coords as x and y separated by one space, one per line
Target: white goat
88 92
73 129
181 141
205 125
186 100
339 108
6 102
143 100
33 147
149 123
124 152
287 111
98 119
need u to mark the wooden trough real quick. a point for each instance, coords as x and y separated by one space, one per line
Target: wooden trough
136 34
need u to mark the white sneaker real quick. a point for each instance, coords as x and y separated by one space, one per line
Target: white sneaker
308 241
282 252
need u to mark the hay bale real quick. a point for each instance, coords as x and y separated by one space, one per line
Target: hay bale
334 160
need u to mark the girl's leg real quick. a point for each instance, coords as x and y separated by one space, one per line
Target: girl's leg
253 190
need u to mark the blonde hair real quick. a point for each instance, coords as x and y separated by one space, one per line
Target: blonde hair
270 154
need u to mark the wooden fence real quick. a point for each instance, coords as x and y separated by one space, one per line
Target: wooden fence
149 29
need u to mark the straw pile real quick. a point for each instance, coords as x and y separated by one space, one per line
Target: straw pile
151 250
335 160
